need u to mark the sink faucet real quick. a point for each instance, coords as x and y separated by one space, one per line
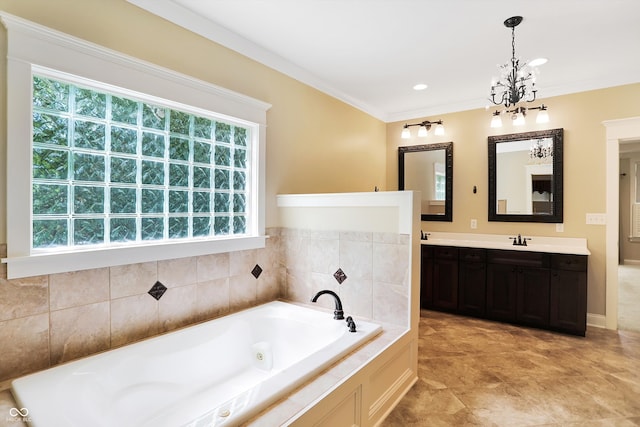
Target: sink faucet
520 241
338 314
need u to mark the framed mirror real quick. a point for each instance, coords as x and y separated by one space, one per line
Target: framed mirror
429 169
525 177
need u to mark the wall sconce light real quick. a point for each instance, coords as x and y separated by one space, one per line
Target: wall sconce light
425 126
496 120
518 116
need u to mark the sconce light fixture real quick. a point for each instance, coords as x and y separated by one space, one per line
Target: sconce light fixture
518 115
516 84
423 131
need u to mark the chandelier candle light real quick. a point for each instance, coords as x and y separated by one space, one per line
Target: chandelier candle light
516 84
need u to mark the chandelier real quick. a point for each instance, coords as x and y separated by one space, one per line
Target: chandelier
541 151
516 84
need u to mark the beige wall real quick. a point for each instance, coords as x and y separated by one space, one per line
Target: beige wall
315 143
581 116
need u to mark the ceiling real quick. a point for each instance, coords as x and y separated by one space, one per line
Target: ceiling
370 53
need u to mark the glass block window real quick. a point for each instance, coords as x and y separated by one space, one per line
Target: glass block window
110 169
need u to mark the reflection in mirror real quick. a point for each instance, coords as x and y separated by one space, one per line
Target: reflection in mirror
428 169
525 177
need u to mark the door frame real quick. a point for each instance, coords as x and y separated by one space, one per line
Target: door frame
618 132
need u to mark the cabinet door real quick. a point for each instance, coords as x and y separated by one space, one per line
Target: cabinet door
533 296
472 288
502 282
426 277
445 284
568 311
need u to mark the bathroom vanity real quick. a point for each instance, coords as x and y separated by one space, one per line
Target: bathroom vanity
543 284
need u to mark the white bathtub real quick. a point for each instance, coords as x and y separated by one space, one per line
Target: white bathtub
216 373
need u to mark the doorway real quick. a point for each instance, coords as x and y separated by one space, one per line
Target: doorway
618 132
629 237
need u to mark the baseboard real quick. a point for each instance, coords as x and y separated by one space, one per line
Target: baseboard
631 262
596 320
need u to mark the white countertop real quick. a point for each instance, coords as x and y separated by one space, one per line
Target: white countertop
556 245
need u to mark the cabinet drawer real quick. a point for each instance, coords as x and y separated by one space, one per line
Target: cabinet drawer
569 262
472 255
427 251
521 258
446 252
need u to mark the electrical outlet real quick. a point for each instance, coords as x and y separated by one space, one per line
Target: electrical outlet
596 219
560 228
474 224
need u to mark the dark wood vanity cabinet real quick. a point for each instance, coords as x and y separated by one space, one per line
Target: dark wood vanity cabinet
537 289
518 287
502 283
472 281
568 293
445 278
426 277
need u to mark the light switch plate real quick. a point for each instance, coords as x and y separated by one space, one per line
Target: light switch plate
596 219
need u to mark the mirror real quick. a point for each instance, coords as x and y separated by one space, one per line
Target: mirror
429 169
525 177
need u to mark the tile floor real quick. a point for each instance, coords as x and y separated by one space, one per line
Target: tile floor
629 297
480 373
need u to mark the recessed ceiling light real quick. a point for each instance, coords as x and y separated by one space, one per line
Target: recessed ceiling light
420 86
537 61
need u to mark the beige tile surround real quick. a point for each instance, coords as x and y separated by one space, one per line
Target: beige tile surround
376 266
47 320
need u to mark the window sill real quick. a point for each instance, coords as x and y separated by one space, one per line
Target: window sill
61 262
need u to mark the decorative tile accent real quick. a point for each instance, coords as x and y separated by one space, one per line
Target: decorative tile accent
257 271
340 276
157 290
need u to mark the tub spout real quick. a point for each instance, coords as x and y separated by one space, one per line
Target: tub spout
338 314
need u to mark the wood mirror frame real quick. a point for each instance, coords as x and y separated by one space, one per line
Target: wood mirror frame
556 185
447 149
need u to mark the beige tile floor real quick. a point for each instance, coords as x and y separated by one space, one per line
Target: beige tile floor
629 297
480 373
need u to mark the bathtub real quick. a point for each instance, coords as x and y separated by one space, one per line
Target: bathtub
218 373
